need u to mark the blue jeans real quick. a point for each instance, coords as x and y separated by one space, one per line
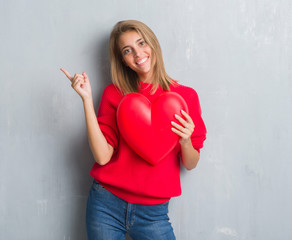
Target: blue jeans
109 217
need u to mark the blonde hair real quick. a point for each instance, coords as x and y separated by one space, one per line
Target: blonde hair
124 77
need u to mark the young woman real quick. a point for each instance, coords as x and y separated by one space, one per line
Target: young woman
128 194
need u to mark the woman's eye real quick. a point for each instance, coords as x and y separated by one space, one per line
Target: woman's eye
142 43
126 51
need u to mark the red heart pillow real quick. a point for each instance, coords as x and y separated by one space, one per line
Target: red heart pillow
146 127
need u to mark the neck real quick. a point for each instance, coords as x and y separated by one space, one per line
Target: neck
145 78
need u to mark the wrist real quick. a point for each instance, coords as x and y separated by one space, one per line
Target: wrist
87 101
186 143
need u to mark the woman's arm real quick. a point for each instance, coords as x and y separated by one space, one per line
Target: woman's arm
189 155
101 150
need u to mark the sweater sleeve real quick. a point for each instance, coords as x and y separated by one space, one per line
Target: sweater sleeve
199 134
106 116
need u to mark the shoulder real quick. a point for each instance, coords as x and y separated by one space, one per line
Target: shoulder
184 91
111 91
190 96
111 88
111 95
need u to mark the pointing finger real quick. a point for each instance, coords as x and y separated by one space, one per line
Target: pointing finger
67 74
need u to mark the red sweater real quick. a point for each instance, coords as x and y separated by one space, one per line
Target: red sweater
127 175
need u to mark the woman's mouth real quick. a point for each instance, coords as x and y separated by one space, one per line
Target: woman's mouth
142 61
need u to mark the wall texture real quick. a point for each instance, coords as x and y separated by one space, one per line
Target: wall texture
236 54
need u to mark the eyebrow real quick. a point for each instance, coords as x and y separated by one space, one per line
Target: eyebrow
129 46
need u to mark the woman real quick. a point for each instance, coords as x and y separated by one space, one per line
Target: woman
128 194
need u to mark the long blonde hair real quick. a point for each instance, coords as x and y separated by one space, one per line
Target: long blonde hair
124 77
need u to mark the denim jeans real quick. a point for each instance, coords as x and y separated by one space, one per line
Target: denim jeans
109 217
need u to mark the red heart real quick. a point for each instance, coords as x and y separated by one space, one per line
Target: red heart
146 127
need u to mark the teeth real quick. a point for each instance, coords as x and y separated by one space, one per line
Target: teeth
142 61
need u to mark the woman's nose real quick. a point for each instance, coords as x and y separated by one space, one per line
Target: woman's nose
137 52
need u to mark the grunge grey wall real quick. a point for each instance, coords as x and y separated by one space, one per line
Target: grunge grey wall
236 54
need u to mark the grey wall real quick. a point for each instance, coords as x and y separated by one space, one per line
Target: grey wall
236 54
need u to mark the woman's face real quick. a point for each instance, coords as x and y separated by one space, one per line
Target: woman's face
136 54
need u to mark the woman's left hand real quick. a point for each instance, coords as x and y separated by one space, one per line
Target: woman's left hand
185 131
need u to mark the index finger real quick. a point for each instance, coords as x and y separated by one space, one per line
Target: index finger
67 74
187 116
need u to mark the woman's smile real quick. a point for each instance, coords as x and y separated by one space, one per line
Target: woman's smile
141 62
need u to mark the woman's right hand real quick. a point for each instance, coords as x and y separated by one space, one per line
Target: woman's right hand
80 83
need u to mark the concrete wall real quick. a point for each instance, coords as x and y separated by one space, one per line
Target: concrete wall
236 54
